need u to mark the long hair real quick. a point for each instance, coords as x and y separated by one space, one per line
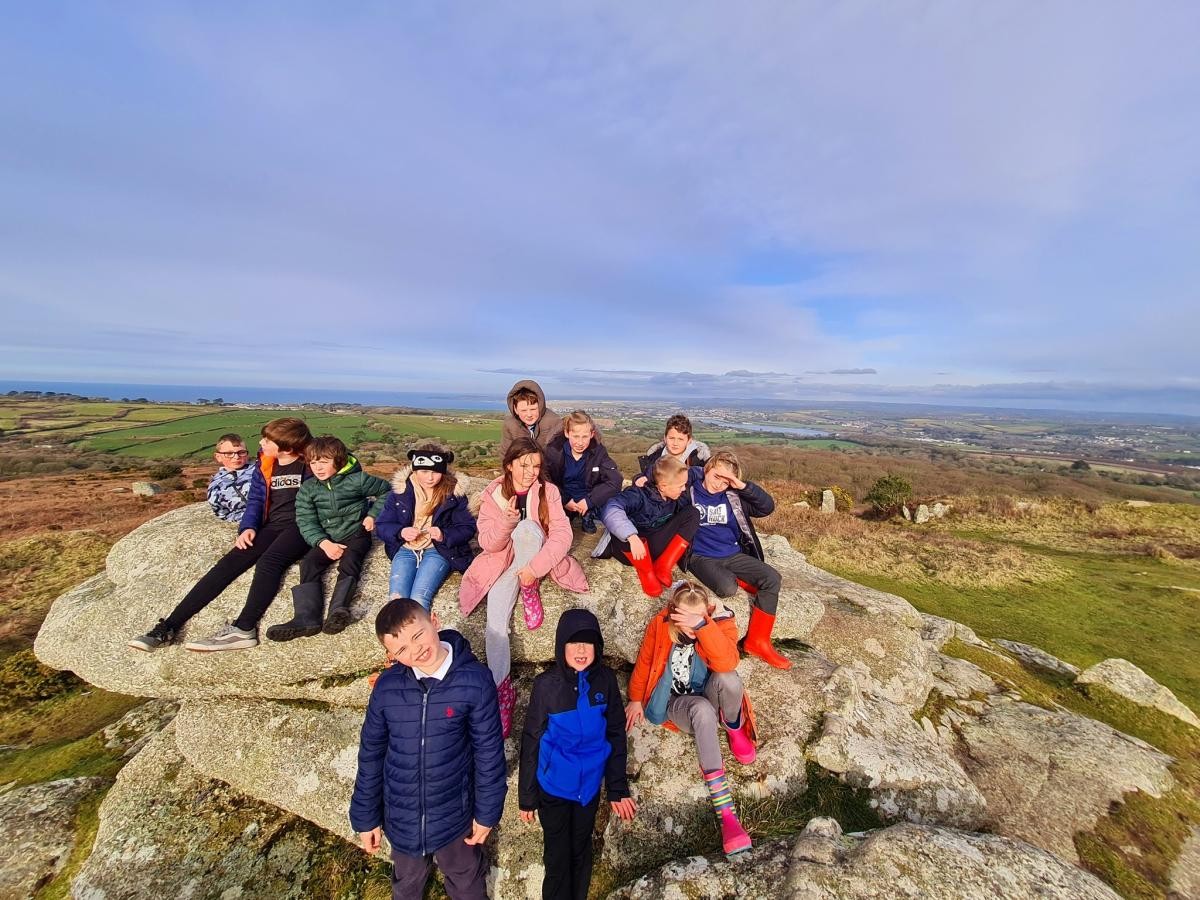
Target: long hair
444 488
688 595
523 446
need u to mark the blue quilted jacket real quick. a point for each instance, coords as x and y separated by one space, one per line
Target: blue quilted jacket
431 759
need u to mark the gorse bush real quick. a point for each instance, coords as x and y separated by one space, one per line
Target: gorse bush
889 493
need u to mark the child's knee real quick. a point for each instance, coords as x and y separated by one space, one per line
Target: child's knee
702 716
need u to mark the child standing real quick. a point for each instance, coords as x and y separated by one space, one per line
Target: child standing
574 738
230 485
528 416
331 511
268 540
686 675
579 465
425 525
525 536
677 442
651 527
431 771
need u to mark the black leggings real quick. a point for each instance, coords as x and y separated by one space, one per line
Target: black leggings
275 547
684 523
315 562
566 846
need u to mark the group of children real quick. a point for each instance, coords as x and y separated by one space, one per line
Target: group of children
431 763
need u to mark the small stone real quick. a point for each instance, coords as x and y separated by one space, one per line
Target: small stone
1124 678
1037 658
922 515
828 503
146 488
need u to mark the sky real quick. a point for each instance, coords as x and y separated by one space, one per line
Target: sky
975 203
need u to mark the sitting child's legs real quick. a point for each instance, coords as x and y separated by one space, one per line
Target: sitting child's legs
431 571
404 571
760 575
696 715
527 540
285 550
724 691
714 574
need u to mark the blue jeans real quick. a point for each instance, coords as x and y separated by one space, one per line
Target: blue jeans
418 581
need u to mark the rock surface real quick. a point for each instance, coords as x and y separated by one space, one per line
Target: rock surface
1185 873
167 831
904 861
146 488
1037 658
37 832
1124 678
1027 760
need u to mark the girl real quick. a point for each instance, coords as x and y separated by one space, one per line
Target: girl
686 677
525 535
425 526
651 527
727 552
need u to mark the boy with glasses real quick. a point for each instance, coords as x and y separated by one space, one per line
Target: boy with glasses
229 487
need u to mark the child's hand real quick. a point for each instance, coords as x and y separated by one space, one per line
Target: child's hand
640 481
633 714
434 533
512 512
637 549
245 540
370 839
526 576
332 550
581 507
687 621
528 816
369 523
571 506
479 833
625 809
736 483
410 533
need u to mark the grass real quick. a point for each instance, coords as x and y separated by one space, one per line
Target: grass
1133 847
78 758
86 825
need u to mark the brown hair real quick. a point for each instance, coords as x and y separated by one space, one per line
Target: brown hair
328 447
397 613
725 456
523 394
523 446
667 467
577 417
680 423
229 438
690 595
290 434
443 488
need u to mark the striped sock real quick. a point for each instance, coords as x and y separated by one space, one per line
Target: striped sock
718 789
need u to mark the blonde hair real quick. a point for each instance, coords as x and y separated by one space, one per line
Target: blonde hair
667 467
688 595
724 456
577 417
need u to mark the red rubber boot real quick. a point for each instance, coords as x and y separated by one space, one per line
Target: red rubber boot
758 639
645 570
665 564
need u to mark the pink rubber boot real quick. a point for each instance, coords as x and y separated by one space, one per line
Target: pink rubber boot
506 695
734 839
531 603
740 744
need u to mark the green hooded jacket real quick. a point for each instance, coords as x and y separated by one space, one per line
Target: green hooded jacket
334 509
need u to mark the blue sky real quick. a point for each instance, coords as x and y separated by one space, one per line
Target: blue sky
969 202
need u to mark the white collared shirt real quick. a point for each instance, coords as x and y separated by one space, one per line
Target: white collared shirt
443 668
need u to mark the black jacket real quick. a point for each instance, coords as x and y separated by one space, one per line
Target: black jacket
601 473
749 503
569 741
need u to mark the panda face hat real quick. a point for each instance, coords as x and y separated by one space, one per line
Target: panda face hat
433 462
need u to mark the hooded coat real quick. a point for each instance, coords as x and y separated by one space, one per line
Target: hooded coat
548 425
334 509
696 453
750 501
453 517
431 755
574 734
600 473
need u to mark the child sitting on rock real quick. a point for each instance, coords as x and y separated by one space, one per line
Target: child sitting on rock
651 527
431 770
229 487
574 738
677 442
331 511
686 677
580 466
425 525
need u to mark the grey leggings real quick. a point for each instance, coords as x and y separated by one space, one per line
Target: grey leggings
527 540
696 714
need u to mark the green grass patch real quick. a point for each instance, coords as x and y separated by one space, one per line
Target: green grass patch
82 757
87 824
70 715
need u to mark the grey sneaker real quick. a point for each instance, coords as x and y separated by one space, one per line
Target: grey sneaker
227 638
158 636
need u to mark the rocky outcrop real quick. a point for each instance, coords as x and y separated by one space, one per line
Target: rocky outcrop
1185 873
1125 679
37 832
1037 658
905 861
1027 760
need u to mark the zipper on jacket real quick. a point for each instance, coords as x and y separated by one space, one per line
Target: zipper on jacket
424 707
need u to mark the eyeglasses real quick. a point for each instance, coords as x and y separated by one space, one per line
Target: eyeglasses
233 453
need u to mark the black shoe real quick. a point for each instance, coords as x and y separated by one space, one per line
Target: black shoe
158 636
588 525
308 602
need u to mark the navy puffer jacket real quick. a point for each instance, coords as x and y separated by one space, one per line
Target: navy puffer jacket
453 517
431 759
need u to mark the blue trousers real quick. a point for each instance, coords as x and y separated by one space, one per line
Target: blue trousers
418 576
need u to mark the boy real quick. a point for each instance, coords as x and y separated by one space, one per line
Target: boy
331 512
431 770
528 416
268 540
581 469
677 442
230 484
574 737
